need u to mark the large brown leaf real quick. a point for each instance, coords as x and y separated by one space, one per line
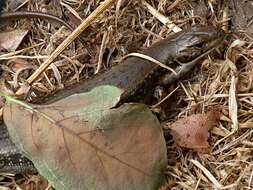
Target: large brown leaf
80 142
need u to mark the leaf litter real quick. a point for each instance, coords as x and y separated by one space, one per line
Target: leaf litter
230 159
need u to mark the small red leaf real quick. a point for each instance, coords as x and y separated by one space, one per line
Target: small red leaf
192 131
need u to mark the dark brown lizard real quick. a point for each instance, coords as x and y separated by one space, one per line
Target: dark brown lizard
185 47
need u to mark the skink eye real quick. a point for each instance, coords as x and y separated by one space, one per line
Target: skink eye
200 45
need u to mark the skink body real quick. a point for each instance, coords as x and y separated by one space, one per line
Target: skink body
129 75
135 72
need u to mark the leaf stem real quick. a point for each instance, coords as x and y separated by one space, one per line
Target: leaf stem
11 100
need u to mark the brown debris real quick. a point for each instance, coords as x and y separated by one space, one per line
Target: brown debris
242 18
11 40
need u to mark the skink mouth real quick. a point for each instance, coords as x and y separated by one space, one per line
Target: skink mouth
217 42
207 37
199 41
217 38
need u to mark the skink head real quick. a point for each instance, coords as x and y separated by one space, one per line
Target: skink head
192 44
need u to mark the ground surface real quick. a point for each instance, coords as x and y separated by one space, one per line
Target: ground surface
129 26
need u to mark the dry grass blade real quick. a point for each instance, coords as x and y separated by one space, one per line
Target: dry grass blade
232 102
162 18
164 99
152 60
174 4
234 142
71 10
208 174
101 52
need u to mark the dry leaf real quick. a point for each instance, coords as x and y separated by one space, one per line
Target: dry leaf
11 40
16 64
192 131
81 143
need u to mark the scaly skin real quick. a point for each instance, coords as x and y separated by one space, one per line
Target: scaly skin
130 75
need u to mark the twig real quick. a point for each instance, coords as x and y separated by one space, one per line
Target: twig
162 18
207 173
